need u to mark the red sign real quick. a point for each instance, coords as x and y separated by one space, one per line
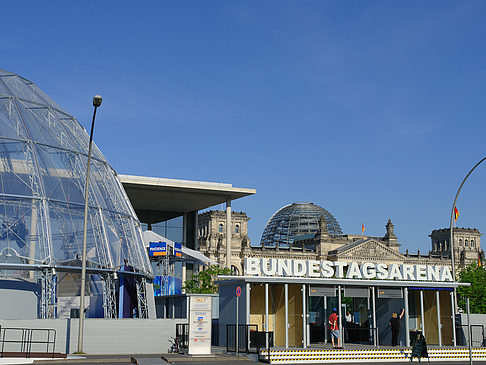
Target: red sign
238 291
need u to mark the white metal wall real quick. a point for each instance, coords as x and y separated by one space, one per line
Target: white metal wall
107 336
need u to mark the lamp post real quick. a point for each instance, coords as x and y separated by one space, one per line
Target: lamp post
452 220
96 103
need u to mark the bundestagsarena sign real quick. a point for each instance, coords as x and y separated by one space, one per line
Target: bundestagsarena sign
346 270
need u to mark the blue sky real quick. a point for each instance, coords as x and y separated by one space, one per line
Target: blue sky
370 109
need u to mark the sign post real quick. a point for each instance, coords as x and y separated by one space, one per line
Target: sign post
238 293
199 324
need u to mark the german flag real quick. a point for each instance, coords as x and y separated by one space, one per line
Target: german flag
362 227
456 214
480 264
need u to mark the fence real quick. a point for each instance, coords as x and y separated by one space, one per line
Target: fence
27 340
477 335
182 332
249 339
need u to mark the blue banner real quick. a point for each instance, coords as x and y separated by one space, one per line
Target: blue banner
167 285
158 249
178 249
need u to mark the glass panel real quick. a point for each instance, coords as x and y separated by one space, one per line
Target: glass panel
295 315
19 88
446 317
103 179
23 237
17 174
11 125
43 128
79 135
124 244
67 225
43 96
63 175
430 313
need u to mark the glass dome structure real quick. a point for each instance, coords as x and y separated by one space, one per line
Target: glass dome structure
43 156
297 219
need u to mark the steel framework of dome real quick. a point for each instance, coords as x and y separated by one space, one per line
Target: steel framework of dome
43 156
295 220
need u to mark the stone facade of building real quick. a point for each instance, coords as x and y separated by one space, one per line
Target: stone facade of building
324 246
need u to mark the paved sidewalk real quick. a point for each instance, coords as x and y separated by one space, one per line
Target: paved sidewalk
147 359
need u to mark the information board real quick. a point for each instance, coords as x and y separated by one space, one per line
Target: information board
356 292
390 293
199 325
322 291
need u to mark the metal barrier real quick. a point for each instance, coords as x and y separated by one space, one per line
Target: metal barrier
28 337
244 338
264 343
478 338
182 333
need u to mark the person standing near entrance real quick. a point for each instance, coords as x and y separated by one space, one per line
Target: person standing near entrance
395 327
334 327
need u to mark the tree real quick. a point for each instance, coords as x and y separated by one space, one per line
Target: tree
476 276
203 281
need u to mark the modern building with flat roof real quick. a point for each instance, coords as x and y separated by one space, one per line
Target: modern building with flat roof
305 266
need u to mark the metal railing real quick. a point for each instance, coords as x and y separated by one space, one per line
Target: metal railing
246 339
478 338
182 333
29 340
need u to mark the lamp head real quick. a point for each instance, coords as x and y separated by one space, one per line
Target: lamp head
97 101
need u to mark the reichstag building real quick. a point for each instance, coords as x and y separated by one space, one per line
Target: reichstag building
303 230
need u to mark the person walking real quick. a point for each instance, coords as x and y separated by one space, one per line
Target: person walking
395 327
334 327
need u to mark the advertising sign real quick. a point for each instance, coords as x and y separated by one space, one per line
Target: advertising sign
158 249
199 325
178 249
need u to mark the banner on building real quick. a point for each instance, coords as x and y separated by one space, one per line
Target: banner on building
157 249
178 249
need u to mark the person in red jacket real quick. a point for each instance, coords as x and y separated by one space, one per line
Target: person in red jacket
334 327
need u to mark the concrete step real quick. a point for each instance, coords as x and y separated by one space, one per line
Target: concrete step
375 355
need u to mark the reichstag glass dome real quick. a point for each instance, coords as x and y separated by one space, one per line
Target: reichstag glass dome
43 156
297 219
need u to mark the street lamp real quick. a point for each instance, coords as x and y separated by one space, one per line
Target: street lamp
452 220
451 241
96 103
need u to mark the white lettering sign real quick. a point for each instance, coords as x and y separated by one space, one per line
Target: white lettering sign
348 270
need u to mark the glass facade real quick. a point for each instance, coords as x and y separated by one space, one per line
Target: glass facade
43 156
294 220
